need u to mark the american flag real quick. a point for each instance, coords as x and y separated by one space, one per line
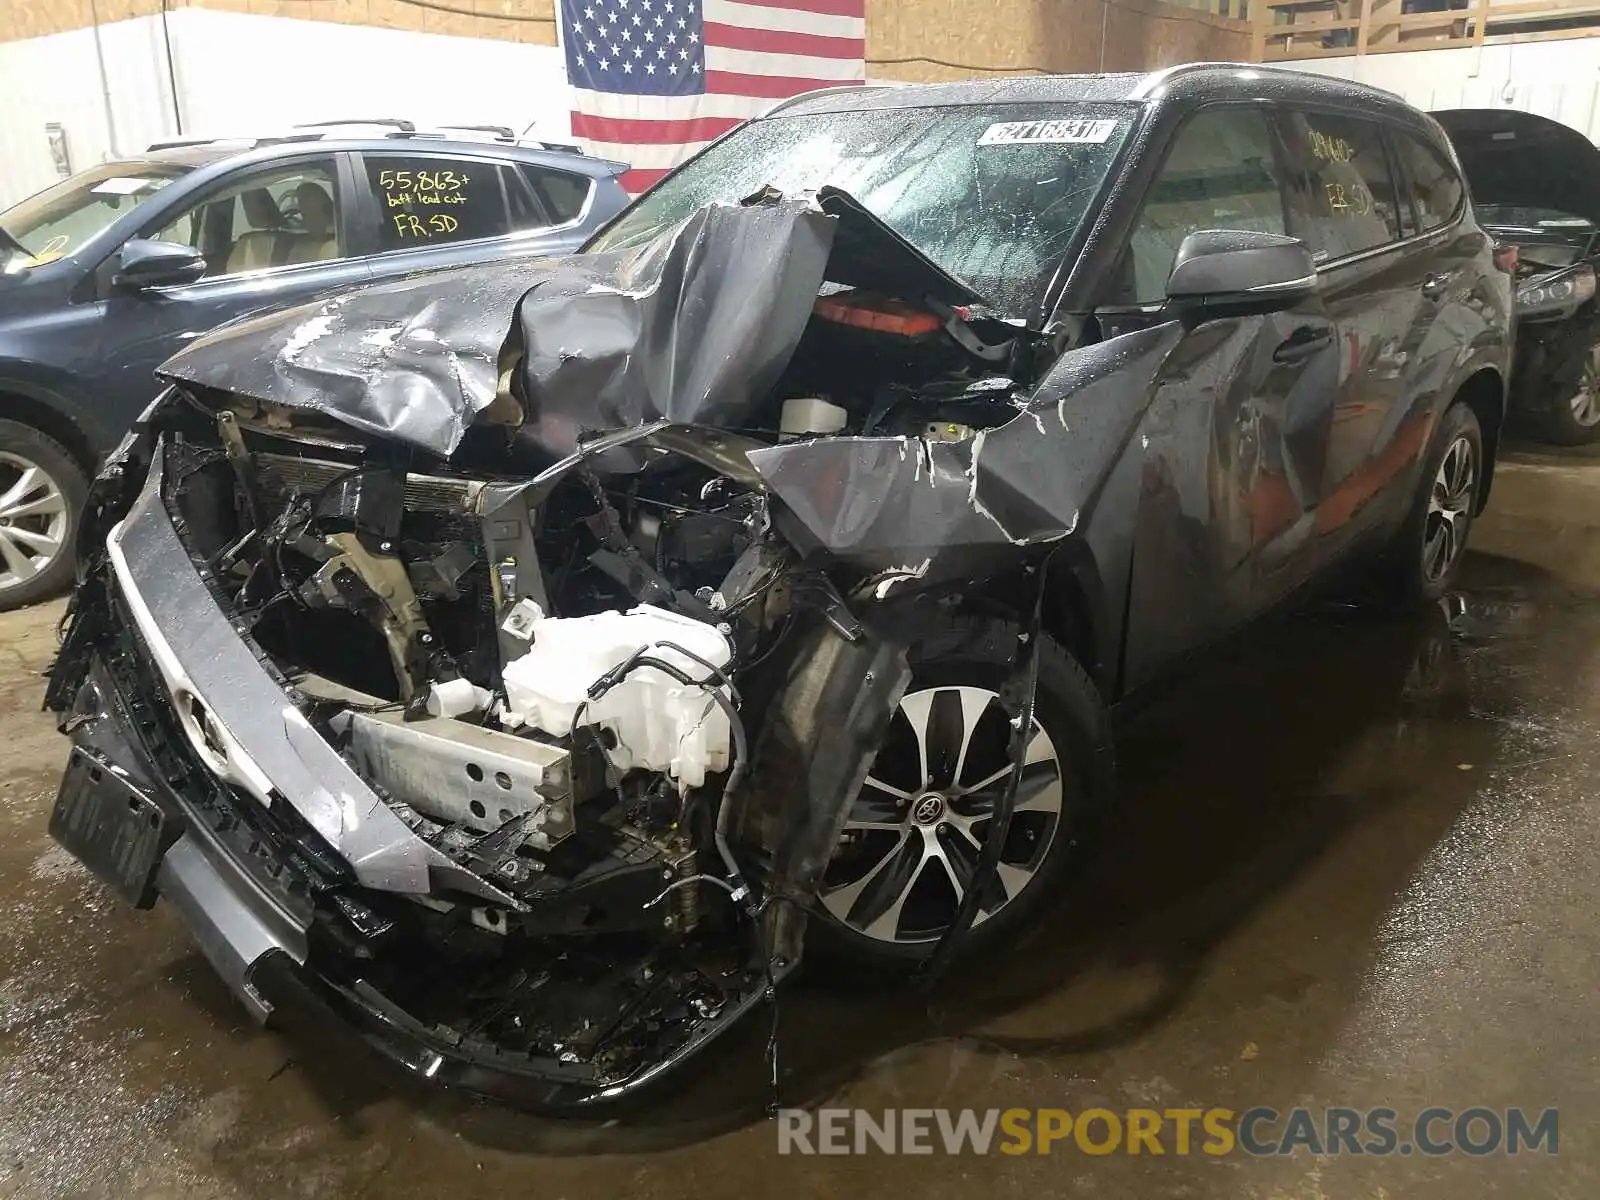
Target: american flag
655 80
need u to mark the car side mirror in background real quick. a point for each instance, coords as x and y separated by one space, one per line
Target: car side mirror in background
1237 270
145 263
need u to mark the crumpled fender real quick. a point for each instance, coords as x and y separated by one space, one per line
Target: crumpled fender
935 510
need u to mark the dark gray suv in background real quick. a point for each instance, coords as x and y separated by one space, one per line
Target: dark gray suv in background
542 659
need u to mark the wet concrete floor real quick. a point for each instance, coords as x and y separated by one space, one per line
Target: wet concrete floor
1357 864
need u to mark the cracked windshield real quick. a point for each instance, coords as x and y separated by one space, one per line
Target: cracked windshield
994 194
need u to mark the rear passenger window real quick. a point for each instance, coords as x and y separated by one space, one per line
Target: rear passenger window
1220 173
562 194
425 201
1348 194
1435 187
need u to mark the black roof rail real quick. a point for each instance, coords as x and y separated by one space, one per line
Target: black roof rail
399 123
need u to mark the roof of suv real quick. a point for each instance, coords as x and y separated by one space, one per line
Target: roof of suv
395 135
1192 80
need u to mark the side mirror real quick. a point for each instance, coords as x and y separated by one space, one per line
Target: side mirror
145 263
1219 269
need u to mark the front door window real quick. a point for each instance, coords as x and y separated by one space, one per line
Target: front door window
281 218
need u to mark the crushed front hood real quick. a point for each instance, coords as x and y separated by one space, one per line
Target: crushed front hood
693 327
416 359
1521 159
689 327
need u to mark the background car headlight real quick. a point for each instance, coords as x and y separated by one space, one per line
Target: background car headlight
1557 290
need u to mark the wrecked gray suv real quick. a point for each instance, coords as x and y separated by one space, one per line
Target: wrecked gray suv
542 660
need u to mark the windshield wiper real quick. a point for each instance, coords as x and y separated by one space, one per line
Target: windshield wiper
6 239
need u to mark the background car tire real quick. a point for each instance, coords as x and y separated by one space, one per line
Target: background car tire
1410 577
1575 420
971 654
33 513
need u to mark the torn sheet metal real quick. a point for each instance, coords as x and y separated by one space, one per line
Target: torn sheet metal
694 327
880 503
826 723
869 254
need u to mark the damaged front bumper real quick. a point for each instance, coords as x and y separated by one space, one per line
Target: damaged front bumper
195 778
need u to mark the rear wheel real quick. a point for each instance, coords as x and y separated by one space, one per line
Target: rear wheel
912 837
1426 556
42 493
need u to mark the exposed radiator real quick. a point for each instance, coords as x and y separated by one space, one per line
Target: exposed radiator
279 474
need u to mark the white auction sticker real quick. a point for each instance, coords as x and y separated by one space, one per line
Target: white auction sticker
1078 129
122 185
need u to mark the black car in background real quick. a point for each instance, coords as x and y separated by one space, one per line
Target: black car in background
106 274
542 659
1536 187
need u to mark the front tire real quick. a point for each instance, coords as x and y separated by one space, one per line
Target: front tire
912 837
42 494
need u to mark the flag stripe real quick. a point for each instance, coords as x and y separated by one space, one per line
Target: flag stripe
757 16
645 154
835 8
633 131
777 87
809 70
668 108
779 41
639 180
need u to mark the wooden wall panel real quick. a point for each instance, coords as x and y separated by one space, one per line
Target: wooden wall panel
914 40
932 40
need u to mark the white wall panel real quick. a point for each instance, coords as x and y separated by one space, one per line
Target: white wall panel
1559 79
247 74
241 74
55 78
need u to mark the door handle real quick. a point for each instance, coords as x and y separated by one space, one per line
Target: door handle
1302 344
1434 285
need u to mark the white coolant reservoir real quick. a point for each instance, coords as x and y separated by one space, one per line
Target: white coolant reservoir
659 723
810 416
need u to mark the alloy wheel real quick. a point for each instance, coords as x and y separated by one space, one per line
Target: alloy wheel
33 520
912 837
1449 510
1585 401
